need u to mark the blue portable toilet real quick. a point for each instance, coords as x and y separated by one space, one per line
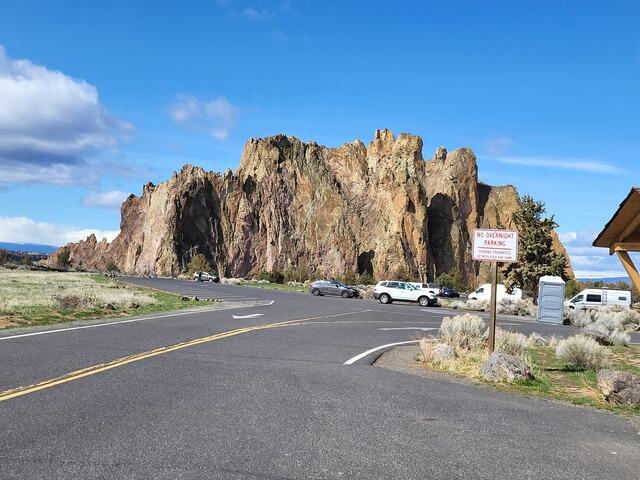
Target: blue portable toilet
550 299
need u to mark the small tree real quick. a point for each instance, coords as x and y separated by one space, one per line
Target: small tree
198 263
536 256
451 280
4 257
112 267
64 257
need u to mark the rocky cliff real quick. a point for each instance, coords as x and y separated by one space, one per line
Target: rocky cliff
380 209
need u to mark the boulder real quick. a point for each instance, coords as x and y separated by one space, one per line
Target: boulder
619 387
501 367
443 353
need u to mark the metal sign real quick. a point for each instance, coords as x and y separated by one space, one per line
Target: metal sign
495 245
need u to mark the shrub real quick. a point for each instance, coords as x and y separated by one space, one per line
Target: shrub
366 279
582 353
4 257
298 273
349 277
463 332
619 337
273 276
198 263
64 257
70 302
112 267
511 343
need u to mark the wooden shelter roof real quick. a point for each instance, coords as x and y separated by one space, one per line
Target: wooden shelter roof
623 230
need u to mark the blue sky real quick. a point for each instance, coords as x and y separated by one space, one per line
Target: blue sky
96 98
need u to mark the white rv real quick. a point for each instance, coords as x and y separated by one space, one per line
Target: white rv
484 293
596 297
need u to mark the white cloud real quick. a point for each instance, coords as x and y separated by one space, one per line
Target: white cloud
589 261
27 230
111 200
590 166
214 117
51 125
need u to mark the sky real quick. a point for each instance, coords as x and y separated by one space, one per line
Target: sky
97 98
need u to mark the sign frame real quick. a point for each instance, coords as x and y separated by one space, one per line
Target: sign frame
513 258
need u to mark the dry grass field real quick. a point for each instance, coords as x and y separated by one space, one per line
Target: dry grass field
37 298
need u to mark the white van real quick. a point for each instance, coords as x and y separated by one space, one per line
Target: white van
484 293
596 297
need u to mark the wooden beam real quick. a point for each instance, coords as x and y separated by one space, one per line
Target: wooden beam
632 227
628 265
624 247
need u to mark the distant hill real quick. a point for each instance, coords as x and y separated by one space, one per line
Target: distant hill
28 248
606 279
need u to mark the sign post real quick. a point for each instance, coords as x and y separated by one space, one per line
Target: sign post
494 246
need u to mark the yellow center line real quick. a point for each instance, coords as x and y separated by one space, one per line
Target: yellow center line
103 367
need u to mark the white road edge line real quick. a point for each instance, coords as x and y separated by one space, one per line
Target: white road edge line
118 322
360 356
251 315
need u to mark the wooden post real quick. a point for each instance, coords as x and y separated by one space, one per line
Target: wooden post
629 266
493 306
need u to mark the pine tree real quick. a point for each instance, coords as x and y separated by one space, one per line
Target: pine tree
198 263
536 256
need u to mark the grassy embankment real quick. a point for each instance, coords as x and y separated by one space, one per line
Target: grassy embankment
41 298
275 286
553 379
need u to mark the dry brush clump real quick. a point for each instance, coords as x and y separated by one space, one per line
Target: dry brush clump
511 343
605 324
463 332
581 352
522 308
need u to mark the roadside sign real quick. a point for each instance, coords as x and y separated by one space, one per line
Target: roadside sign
495 245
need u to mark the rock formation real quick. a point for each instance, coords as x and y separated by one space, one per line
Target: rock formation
380 209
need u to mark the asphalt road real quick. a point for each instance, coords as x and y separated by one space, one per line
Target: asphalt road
233 392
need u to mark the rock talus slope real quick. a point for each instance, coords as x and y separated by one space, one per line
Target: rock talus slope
380 209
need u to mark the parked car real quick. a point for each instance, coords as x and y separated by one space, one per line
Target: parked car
432 287
332 287
596 297
484 293
447 292
205 277
388 291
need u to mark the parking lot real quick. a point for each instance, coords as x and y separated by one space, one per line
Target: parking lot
272 384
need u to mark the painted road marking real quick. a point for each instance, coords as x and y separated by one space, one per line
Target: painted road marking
424 329
132 320
360 356
103 367
253 315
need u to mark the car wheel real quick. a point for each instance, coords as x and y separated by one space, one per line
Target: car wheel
344 294
315 292
384 298
211 280
424 301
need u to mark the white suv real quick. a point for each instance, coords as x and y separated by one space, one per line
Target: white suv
389 290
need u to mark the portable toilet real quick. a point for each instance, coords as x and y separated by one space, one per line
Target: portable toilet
551 299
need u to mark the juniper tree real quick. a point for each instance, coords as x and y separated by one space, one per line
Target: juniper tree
536 256
198 263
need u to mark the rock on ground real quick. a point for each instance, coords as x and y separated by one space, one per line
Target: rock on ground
619 387
501 367
443 353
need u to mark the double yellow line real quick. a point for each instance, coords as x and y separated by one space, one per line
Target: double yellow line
103 367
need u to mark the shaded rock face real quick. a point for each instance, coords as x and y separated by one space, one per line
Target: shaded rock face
380 209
